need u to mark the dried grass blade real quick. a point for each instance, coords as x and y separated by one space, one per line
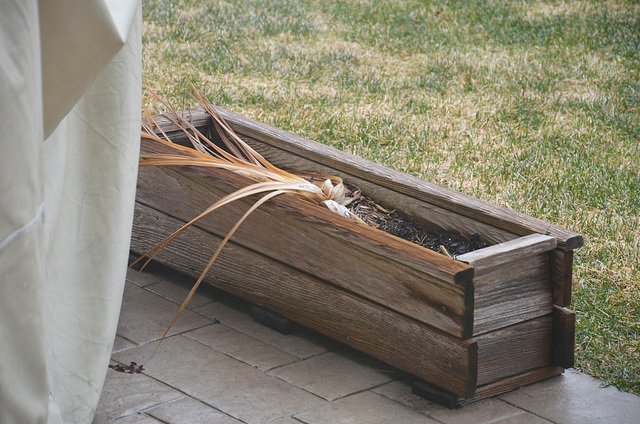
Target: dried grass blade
248 150
292 187
213 258
153 122
183 149
248 170
197 137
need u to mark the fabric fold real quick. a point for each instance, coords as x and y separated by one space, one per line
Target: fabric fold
70 95
78 38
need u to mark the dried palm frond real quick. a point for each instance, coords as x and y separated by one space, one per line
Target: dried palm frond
239 158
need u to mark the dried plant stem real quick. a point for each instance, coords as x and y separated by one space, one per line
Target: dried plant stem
241 159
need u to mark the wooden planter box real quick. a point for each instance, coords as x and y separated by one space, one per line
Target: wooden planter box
483 324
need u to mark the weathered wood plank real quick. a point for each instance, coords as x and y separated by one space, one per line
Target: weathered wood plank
426 214
514 382
512 282
405 343
517 291
564 330
490 258
513 350
205 181
420 283
561 276
435 394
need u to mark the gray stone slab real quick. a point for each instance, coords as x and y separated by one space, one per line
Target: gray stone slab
178 289
120 343
523 418
400 391
189 411
486 411
241 347
145 316
576 398
483 412
336 374
137 419
128 394
222 387
303 343
286 420
366 407
228 385
143 278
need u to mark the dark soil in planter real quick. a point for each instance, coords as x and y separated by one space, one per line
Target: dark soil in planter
393 223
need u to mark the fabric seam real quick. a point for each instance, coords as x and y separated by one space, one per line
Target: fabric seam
24 230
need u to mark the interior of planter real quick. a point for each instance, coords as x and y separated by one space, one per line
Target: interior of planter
409 220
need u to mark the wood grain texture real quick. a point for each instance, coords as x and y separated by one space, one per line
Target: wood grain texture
564 339
514 382
490 258
422 284
517 291
561 276
437 395
448 199
422 213
513 350
403 342
512 282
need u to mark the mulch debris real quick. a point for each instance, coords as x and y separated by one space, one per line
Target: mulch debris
393 223
132 368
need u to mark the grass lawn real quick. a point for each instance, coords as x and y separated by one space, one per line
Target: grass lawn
533 105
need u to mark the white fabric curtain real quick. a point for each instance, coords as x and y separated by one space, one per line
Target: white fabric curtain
70 93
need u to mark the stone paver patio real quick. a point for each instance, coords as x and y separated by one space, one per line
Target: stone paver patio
219 366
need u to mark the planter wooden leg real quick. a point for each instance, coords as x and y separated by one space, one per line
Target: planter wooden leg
273 320
132 258
435 394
